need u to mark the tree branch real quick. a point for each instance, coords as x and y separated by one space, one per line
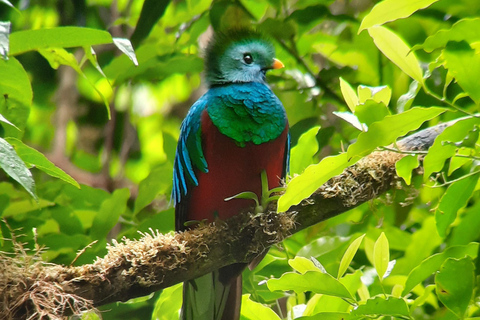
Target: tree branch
34 289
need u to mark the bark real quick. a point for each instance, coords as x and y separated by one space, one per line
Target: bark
136 268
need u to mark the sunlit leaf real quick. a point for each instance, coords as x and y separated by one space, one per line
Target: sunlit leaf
444 145
252 310
302 264
454 284
311 179
126 47
406 99
350 118
301 155
379 306
390 10
3 119
314 281
386 131
36 158
423 298
455 198
464 64
349 94
168 303
377 94
4 41
433 263
348 256
11 163
8 3
467 29
371 111
327 316
322 245
395 49
59 37
92 57
381 255
405 166
380 133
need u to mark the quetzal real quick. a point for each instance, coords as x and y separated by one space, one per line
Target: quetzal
236 130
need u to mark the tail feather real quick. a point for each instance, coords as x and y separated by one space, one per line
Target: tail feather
208 298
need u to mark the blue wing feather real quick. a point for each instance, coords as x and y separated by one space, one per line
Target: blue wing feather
189 151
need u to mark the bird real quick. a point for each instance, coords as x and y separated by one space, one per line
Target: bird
234 132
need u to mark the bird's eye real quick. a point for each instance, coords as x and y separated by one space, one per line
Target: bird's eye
247 58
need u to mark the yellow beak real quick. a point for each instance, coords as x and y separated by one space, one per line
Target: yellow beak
277 64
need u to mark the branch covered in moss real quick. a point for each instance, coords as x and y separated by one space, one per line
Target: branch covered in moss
36 290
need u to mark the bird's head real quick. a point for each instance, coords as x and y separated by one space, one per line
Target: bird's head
239 55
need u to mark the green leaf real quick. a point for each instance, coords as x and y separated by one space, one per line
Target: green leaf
386 131
348 256
252 310
302 154
168 303
467 229
3 119
7 3
32 156
125 46
302 264
454 284
395 49
322 246
315 281
464 64
405 166
350 118
59 37
463 30
455 198
109 212
152 10
327 316
380 133
59 56
379 306
11 163
391 10
151 66
15 95
406 99
4 35
157 182
349 94
302 186
381 255
433 263
371 111
441 150
377 94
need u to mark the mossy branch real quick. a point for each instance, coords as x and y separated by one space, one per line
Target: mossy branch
32 289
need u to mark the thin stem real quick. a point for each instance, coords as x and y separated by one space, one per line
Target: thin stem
443 100
424 152
455 180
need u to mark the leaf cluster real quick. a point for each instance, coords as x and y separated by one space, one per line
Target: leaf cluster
89 123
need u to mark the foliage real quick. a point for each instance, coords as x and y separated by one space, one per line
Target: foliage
87 155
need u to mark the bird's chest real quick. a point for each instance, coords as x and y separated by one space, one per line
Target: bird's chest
234 167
